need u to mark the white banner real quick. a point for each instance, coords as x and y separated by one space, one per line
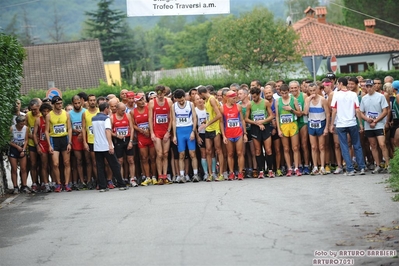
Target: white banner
141 8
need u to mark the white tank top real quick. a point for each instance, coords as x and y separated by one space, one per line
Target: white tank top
18 137
201 115
184 116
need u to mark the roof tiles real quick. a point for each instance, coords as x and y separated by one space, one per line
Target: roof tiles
70 65
331 39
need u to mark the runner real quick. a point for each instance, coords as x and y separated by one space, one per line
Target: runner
212 133
317 109
233 128
145 144
160 126
17 153
59 136
259 114
184 121
375 108
201 120
41 144
287 109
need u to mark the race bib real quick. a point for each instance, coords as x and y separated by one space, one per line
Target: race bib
42 136
315 124
233 122
182 118
394 116
59 129
77 125
372 115
286 118
91 130
202 121
144 126
161 119
32 129
122 131
259 117
19 140
207 116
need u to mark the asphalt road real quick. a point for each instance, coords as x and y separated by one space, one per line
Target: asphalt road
281 221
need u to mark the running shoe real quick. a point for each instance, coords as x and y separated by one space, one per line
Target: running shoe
315 171
306 170
154 180
298 172
15 191
133 182
46 188
271 174
34 188
160 181
240 176
226 175
58 188
195 178
255 173
174 179
182 179
146 182
351 173
289 172
102 190
209 178
338 171
279 172
249 173
362 171
205 177
231 176
323 171
300 168
261 175
25 190
328 169
220 178
188 178
377 170
68 188
75 187
371 166
110 185
169 179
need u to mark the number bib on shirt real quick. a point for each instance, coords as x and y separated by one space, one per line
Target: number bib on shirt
59 129
91 130
161 119
259 117
394 116
315 124
42 136
233 122
77 125
143 126
202 121
19 140
207 116
183 119
122 131
372 115
286 118
32 129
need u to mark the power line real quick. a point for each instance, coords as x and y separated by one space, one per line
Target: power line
29 2
350 9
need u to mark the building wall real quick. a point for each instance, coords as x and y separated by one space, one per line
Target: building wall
113 72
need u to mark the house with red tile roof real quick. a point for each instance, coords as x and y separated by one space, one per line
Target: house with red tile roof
356 50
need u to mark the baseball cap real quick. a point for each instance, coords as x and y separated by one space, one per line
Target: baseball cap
129 94
56 99
369 82
138 97
46 100
395 84
330 75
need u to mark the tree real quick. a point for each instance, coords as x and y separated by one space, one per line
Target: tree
56 34
110 27
335 13
189 47
253 41
11 65
385 9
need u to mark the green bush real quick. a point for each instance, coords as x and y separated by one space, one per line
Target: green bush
394 177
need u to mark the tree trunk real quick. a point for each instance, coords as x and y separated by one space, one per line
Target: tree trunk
3 178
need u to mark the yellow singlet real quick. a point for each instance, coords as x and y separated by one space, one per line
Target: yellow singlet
58 124
31 126
89 125
210 114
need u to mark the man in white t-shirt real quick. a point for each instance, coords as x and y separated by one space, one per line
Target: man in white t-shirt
345 107
104 148
374 108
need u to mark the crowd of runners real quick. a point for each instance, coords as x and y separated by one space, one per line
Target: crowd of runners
334 126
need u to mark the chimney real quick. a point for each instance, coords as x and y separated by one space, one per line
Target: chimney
309 12
369 24
321 13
